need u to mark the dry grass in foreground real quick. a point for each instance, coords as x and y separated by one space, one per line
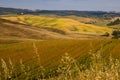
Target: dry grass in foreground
92 67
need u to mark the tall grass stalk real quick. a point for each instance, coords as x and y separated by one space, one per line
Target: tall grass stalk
68 68
6 73
41 69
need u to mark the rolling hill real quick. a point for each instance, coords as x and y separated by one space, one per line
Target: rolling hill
36 45
65 24
15 31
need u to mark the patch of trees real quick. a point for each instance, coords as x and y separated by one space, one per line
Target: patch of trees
99 14
115 22
116 34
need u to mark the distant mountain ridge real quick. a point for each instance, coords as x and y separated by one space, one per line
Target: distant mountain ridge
4 10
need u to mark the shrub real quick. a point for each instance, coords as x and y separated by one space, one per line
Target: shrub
116 34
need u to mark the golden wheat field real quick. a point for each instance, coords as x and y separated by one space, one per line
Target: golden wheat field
59 39
56 48
41 47
50 54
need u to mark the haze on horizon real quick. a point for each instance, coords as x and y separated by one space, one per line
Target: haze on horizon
88 5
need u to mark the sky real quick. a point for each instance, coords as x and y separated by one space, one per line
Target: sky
82 5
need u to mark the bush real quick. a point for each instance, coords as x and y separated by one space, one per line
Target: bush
116 34
106 34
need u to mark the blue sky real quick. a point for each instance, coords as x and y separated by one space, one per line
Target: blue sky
91 5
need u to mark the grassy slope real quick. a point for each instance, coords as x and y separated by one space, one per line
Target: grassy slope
51 51
16 32
65 24
91 20
13 30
